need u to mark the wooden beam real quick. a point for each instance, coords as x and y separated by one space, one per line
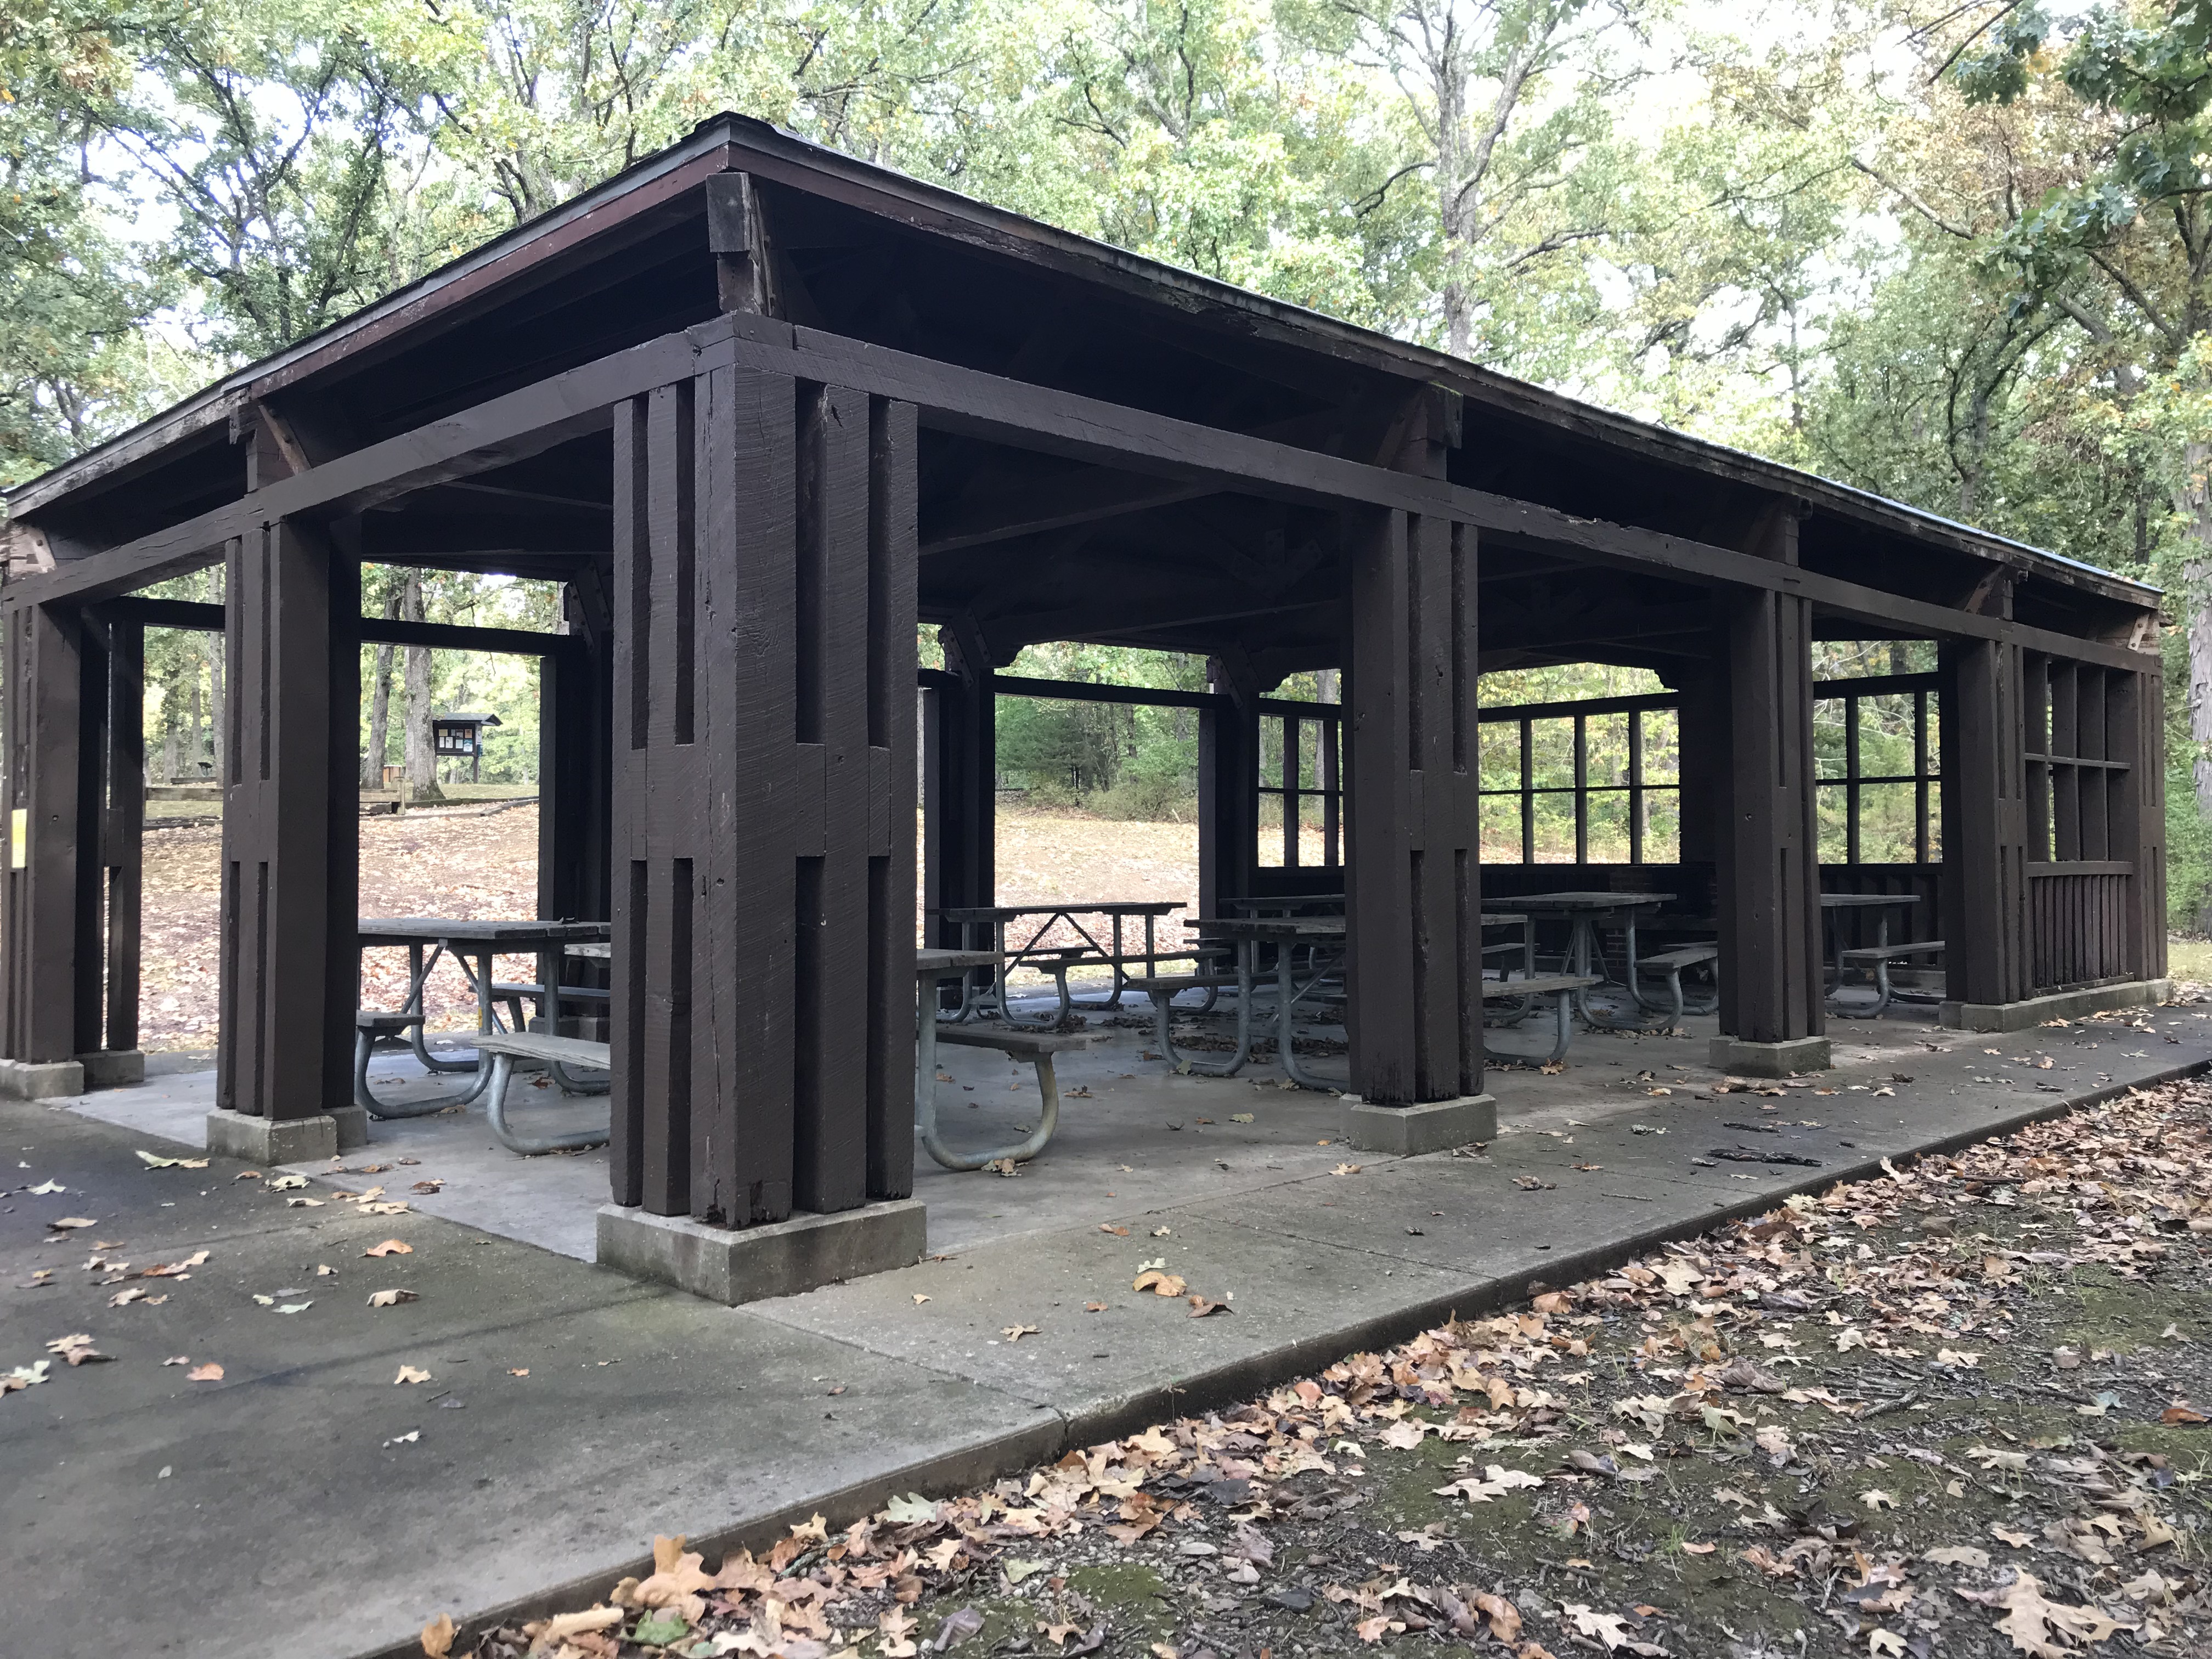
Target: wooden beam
1020 415
1013 685
1088 498
44 748
197 616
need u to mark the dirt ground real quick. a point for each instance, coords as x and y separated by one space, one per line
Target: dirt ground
1946 1412
458 863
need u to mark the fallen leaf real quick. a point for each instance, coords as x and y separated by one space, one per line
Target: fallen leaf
410 1374
64 1223
1158 1282
1504 1618
1201 1307
919 1298
523 1370
391 1298
209 1372
1016 1332
76 1348
153 1161
1956 1555
438 1636
2179 1412
46 1188
389 1246
1109 1227
1699 1549
1345 1168
2044 1628
285 1183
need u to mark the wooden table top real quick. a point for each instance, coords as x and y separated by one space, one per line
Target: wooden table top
1856 900
939 962
1567 903
454 930
1073 908
1303 929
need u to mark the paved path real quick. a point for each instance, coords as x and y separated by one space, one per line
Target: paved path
295 1519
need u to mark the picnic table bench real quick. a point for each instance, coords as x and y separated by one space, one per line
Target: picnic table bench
1562 988
984 926
558 1054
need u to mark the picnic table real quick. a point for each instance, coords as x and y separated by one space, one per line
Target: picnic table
1585 913
931 969
1320 940
1874 958
473 944
984 927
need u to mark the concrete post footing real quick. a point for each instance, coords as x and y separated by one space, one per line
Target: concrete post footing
275 1140
37 1080
2060 1005
109 1068
1788 1058
1429 1126
749 1264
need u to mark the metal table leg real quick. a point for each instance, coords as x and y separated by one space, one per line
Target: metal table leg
499 1074
1162 1020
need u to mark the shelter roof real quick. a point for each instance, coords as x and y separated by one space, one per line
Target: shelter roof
869 252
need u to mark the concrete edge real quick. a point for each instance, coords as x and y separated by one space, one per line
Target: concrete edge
954 1471
1053 1434
1996 1018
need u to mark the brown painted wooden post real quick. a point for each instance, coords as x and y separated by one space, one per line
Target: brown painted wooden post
961 780
44 756
123 826
1986 823
763 621
2136 712
87 962
1767 848
1413 890
291 821
1228 787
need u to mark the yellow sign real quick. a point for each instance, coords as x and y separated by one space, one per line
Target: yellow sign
19 838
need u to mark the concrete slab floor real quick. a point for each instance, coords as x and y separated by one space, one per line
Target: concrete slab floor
296 1518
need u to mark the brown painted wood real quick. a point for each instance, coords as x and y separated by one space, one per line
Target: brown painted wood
42 714
290 823
1768 885
972 403
831 1101
88 961
894 463
123 827
1986 828
1228 789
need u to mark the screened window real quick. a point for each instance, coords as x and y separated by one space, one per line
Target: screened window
1588 782
2078 745
1301 797
1877 761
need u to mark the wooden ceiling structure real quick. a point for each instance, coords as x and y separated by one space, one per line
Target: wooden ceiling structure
762 406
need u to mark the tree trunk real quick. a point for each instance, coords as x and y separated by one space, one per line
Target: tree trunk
192 740
422 761
379 705
2196 618
218 709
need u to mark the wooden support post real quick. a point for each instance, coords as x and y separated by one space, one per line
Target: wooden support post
89 958
1986 827
763 621
1412 882
291 821
1228 789
576 694
122 828
961 784
1764 845
2135 711
45 754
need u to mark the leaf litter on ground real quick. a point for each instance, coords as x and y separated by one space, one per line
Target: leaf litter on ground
1675 1457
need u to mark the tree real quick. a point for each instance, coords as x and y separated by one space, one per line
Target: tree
1507 102
2120 243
